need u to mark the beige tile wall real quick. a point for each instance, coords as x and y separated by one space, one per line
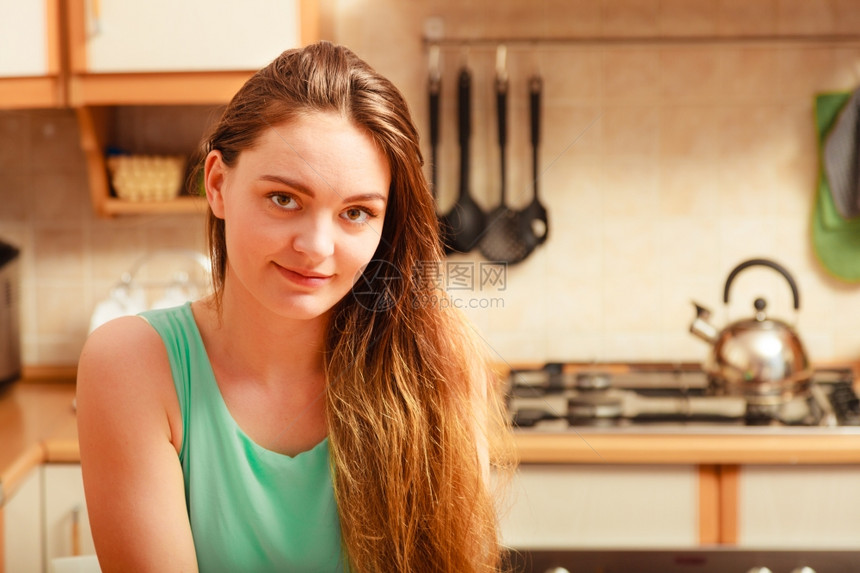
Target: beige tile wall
701 155
698 156
70 259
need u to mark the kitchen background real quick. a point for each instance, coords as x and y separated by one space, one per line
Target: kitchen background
693 157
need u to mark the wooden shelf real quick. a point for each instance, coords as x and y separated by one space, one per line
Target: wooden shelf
181 88
94 123
31 93
185 204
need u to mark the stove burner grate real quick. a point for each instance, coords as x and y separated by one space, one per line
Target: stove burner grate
649 395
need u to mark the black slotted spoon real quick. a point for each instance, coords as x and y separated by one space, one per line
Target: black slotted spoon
502 242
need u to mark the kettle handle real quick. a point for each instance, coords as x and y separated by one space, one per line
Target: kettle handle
765 263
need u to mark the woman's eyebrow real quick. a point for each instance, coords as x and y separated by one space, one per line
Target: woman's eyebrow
365 197
305 190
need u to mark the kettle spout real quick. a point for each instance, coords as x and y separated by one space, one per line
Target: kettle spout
701 327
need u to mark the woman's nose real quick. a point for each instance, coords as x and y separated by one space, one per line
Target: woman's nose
315 236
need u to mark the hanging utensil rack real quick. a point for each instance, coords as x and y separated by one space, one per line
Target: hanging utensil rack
527 43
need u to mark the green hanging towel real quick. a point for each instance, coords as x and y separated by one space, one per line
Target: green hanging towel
835 239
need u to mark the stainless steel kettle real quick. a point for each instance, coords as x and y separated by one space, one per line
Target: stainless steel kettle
760 358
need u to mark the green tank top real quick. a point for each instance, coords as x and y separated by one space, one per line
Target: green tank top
251 509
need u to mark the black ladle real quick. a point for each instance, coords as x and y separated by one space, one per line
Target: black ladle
533 219
501 240
463 224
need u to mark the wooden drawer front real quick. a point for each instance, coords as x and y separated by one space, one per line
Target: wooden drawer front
799 506
566 506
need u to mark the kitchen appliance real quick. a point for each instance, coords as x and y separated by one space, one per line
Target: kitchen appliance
757 375
759 358
664 397
684 560
10 314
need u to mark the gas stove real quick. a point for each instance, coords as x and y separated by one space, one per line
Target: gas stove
646 397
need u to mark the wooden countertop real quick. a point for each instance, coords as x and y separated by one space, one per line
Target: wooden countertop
38 425
816 446
36 419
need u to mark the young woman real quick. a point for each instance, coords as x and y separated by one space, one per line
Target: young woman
317 412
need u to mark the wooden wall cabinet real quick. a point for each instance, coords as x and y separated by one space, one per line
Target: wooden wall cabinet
110 52
31 74
166 53
94 55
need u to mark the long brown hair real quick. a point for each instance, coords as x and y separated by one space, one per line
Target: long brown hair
410 397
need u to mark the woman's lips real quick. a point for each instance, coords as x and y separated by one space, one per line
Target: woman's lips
304 277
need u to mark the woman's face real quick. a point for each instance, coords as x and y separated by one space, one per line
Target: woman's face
303 211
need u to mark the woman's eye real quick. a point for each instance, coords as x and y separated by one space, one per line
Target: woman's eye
357 215
284 201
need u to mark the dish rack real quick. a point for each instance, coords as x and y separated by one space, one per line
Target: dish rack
161 279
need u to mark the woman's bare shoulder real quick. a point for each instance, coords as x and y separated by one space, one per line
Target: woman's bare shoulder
119 333
124 346
124 365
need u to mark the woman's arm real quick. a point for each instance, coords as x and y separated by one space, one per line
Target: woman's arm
129 428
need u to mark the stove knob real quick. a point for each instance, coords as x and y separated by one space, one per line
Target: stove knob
803 569
559 570
759 570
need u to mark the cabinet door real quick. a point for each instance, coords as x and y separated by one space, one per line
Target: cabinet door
30 54
799 507
24 38
22 526
192 35
67 526
576 506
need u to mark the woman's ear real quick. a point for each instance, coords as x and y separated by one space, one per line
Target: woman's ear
213 176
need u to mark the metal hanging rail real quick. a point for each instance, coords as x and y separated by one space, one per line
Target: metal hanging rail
613 41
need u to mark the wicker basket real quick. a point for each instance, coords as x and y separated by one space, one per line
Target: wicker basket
146 177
